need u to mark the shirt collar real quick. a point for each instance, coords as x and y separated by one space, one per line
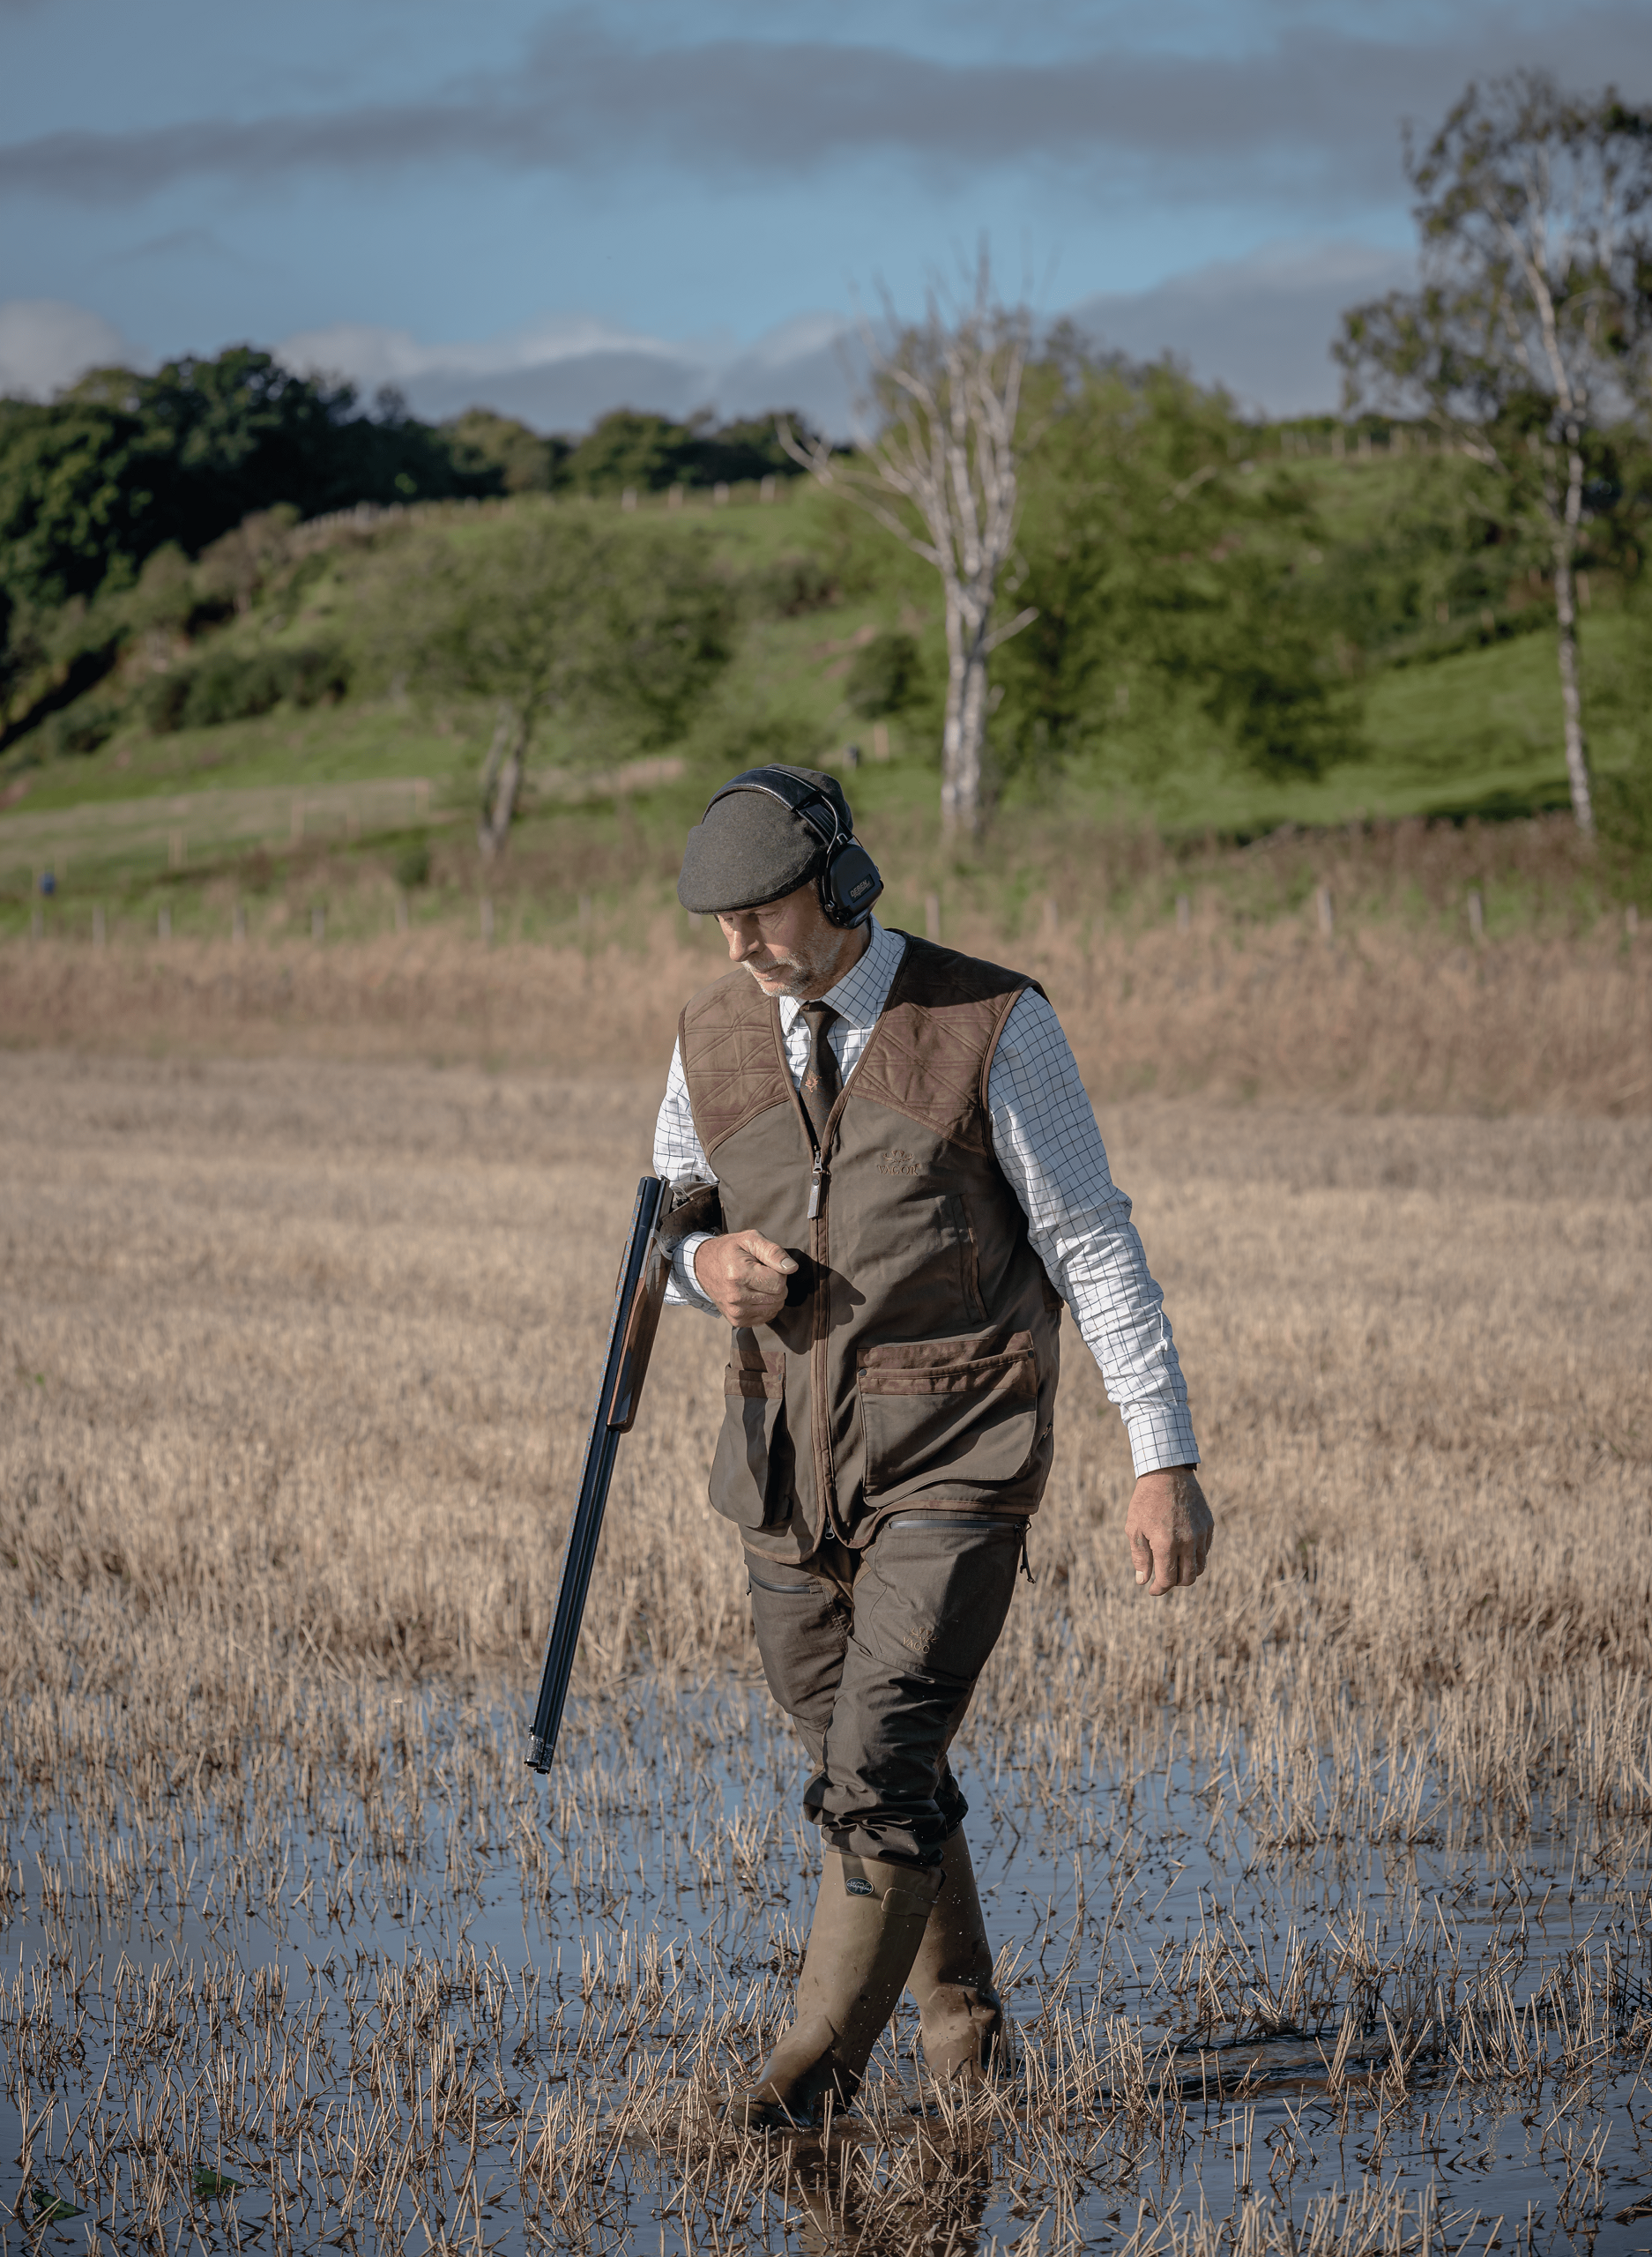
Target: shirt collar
860 994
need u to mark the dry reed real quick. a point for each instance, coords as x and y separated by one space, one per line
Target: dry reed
294 1359
1376 1020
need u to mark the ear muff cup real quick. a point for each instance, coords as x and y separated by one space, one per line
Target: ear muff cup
850 884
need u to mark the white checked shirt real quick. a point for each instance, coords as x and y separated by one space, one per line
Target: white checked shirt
1049 1148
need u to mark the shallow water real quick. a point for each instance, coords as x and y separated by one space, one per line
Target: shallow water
420 1996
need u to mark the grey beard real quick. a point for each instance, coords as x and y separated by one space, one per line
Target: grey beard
799 978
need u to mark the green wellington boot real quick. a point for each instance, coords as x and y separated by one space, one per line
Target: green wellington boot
869 1921
963 2016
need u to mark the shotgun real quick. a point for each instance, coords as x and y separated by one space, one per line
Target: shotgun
664 1215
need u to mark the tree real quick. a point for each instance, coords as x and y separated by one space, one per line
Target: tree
563 624
1531 335
1176 585
482 441
94 482
941 475
626 448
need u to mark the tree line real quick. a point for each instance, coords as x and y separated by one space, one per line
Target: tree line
1123 560
121 465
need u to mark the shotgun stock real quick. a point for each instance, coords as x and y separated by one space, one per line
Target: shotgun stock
664 1215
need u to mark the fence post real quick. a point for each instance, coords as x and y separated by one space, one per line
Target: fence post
1184 913
1477 917
1328 914
932 916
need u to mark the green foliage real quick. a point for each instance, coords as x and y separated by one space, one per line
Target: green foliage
1175 588
235 568
625 449
793 586
885 675
1532 329
84 728
78 495
413 863
484 444
648 454
94 483
228 685
1624 809
565 622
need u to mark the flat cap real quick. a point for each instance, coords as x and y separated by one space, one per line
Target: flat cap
750 848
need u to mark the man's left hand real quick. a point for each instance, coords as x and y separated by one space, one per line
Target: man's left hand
1170 1528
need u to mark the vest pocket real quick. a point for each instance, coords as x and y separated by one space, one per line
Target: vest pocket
751 1472
964 1408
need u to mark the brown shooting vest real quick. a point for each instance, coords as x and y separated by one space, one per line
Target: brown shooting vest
915 1362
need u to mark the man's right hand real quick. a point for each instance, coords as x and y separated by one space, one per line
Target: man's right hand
745 1274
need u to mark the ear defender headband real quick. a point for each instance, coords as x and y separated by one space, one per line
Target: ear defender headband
847 878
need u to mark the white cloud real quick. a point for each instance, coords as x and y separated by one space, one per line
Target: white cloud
45 343
1261 324
561 373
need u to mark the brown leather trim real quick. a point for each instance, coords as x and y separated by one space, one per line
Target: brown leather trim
940 1084
732 1054
766 1385
992 1051
947 1367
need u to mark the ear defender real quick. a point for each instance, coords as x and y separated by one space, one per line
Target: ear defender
848 879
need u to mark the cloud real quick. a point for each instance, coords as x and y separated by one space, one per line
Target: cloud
1262 326
46 344
1315 110
560 375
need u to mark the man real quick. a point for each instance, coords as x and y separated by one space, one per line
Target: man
912 1185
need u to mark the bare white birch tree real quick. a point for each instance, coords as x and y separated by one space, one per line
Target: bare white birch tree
1532 332
949 448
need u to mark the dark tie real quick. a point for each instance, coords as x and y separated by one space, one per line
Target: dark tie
820 1076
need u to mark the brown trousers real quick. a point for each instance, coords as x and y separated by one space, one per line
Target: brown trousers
873 1655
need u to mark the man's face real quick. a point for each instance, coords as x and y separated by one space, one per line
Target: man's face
788 946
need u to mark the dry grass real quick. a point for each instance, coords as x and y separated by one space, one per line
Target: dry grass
1378 1019
295 1358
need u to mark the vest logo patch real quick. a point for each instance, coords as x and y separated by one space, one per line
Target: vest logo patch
899 1163
858 1887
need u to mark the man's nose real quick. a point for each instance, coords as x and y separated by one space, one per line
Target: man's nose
743 941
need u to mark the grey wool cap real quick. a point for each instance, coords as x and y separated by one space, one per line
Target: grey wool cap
750 848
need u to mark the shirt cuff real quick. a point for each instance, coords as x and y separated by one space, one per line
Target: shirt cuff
1160 1436
686 1284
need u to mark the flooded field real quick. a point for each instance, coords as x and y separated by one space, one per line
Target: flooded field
1323 1893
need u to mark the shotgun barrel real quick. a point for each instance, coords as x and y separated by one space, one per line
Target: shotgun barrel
662 1216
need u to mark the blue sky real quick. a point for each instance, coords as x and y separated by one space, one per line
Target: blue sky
555 207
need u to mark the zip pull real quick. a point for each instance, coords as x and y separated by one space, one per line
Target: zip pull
815 1186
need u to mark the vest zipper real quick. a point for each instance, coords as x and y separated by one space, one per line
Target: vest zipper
820 1358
